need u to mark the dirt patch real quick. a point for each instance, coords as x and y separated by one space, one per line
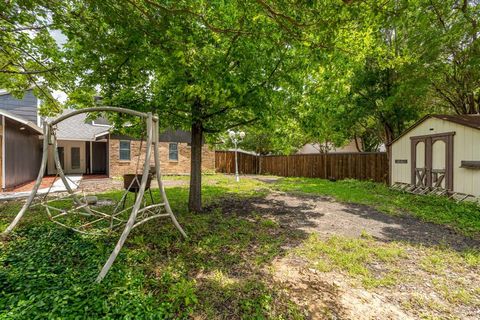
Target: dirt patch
336 295
329 296
328 217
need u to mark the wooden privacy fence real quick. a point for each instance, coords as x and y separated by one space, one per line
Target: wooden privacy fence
361 166
247 163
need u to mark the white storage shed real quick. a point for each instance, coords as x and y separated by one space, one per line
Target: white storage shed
439 151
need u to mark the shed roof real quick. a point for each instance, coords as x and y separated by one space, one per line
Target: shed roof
468 120
20 120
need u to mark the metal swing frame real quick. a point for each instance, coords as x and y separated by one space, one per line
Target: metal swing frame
49 138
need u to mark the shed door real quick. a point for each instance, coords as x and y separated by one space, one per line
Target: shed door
432 161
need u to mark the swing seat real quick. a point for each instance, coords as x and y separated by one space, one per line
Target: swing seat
91 220
131 182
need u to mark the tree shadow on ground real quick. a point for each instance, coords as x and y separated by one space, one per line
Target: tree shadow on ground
328 217
49 271
229 253
413 230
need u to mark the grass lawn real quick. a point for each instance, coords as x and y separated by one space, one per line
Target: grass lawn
226 268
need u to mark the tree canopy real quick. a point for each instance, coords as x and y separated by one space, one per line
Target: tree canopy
287 72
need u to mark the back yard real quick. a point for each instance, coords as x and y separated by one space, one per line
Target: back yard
267 247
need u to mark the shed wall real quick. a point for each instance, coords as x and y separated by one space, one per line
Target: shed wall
466 146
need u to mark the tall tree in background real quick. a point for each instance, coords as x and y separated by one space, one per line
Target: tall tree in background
372 84
451 42
28 52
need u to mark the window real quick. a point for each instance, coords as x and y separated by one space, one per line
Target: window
75 157
173 151
124 150
61 156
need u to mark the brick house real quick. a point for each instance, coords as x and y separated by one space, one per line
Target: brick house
85 146
88 147
174 154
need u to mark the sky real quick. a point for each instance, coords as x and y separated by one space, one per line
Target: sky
61 39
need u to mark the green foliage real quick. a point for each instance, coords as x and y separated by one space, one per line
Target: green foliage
464 217
48 272
28 52
391 63
282 136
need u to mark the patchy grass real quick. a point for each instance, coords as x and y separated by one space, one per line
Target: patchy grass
221 270
442 277
464 217
48 272
354 257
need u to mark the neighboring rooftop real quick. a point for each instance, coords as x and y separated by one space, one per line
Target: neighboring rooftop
79 127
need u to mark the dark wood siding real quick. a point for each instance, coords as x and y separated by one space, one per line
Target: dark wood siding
23 155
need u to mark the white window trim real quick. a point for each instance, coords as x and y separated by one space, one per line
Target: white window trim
169 159
120 149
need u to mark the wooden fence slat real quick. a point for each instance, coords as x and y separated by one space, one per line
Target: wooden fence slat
362 166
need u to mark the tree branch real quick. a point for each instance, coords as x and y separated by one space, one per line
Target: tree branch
27 72
198 16
231 126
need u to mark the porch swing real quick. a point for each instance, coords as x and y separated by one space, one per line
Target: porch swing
93 221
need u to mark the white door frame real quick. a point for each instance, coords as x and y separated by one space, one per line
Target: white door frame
67 154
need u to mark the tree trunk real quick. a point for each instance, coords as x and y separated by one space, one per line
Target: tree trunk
195 195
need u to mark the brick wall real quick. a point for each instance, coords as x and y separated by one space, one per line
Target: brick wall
182 166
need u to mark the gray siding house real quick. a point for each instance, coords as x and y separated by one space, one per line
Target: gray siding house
20 153
25 108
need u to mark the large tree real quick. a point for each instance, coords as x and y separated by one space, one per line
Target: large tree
202 66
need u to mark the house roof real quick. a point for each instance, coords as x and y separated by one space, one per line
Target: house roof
79 128
175 136
468 120
179 136
20 120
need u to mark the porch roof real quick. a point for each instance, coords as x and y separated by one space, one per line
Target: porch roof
79 128
32 126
